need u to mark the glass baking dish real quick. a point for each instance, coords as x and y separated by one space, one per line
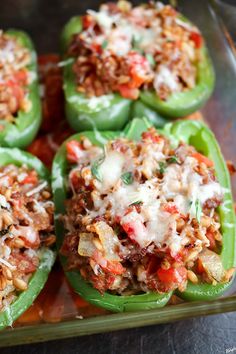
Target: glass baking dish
219 114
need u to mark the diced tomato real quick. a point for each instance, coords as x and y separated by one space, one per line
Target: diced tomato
202 159
29 235
136 81
29 244
137 59
21 77
200 268
17 90
197 39
95 47
171 208
114 267
75 179
117 219
74 149
139 67
212 240
178 257
31 178
25 263
135 230
172 275
87 21
152 136
127 92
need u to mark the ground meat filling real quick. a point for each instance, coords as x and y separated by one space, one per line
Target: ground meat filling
141 216
125 49
14 77
26 225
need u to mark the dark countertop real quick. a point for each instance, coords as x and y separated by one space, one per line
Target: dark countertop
203 335
211 334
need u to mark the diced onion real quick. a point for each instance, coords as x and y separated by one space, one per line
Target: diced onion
109 240
212 264
86 246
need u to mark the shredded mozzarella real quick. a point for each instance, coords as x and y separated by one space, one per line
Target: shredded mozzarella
37 189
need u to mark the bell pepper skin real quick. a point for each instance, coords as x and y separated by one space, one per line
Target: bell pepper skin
117 108
84 289
192 132
23 131
184 103
140 109
38 279
107 112
198 135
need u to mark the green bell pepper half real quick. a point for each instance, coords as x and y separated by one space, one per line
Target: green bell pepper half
192 132
140 109
22 132
181 104
47 256
112 111
107 112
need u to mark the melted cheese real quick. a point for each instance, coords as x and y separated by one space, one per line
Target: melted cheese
120 41
140 232
210 190
150 223
102 18
3 202
165 77
111 168
185 186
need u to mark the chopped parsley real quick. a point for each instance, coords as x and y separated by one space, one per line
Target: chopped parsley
162 167
196 210
95 168
138 202
127 178
173 159
135 43
150 59
104 44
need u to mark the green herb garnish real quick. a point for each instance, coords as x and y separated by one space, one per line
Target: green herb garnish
162 167
135 43
196 210
150 59
138 202
95 168
104 44
127 178
173 159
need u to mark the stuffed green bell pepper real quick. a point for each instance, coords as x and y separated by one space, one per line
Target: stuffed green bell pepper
144 213
20 108
123 55
26 232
